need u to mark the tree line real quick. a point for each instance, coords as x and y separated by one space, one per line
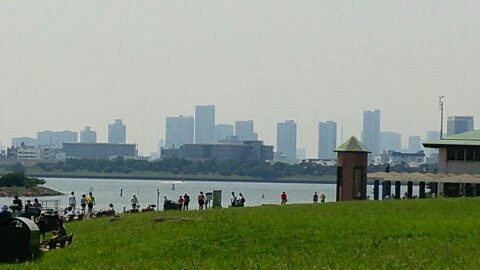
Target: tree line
262 170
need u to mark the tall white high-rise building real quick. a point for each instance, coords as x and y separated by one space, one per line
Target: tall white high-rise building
287 141
178 131
223 131
414 144
459 124
244 131
117 132
371 131
88 135
205 124
327 140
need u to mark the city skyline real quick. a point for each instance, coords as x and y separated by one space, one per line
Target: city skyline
282 61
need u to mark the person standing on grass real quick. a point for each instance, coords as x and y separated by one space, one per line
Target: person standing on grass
322 197
90 202
233 200
206 201
83 202
72 201
134 202
201 200
241 200
315 198
181 201
186 201
283 197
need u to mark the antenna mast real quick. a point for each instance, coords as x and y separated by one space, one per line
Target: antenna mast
440 101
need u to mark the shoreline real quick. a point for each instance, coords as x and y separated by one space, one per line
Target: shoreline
186 178
38 191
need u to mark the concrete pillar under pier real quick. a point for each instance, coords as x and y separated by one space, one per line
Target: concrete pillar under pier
434 189
376 185
398 185
386 189
409 189
441 189
421 192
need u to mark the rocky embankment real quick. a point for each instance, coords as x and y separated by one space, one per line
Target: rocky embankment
28 192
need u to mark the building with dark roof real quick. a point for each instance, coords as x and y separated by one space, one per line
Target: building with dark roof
247 151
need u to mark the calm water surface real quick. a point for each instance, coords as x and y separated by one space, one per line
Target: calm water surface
108 191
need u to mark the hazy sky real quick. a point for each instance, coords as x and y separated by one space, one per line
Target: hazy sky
69 64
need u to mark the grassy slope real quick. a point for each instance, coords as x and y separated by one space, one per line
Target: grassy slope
416 234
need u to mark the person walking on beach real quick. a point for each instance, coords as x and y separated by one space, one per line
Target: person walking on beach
283 197
134 202
322 197
90 202
83 203
186 201
315 198
201 200
72 201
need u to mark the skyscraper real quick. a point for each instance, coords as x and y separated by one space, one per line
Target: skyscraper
88 135
414 144
178 131
223 131
371 131
459 124
117 132
390 141
287 141
205 124
244 130
327 140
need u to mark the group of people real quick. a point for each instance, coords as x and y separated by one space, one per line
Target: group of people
184 201
18 209
86 202
202 199
322 197
237 201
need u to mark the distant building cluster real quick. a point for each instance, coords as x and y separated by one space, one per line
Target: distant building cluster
200 137
59 145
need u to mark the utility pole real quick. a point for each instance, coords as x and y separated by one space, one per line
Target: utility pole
440 100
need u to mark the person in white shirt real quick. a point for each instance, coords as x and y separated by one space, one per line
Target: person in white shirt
72 201
233 200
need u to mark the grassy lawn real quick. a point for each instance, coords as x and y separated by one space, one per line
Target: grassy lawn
414 234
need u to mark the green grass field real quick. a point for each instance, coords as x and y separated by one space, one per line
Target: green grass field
414 234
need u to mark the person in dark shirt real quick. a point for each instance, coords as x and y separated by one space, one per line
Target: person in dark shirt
17 204
186 201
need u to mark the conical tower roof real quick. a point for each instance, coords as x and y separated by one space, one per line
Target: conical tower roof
352 145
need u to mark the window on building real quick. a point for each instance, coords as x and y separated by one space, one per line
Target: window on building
469 154
357 178
460 154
